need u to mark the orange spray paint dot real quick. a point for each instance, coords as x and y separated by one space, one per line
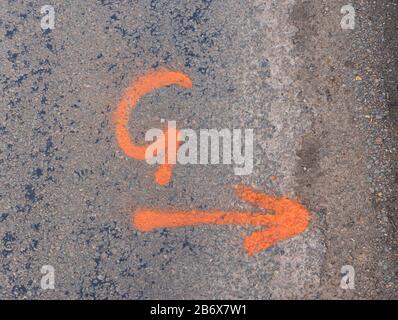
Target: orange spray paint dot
274 178
288 219
142 86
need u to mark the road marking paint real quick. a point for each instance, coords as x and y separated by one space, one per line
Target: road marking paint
288 219
142 86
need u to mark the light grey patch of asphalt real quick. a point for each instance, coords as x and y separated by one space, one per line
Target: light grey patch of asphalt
284 69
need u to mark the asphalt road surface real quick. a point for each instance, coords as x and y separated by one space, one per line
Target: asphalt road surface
321 100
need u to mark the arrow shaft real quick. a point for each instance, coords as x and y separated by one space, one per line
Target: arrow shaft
148 220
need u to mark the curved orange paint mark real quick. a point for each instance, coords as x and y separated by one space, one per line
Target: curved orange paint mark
142 86
289 219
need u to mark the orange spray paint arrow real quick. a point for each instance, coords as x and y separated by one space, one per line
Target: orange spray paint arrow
142 86
288 219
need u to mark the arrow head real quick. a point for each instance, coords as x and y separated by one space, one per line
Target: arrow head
288 219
